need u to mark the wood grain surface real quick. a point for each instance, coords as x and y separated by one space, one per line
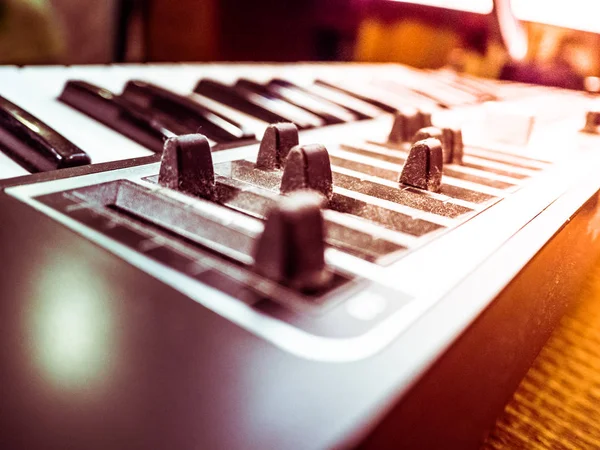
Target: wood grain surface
557 405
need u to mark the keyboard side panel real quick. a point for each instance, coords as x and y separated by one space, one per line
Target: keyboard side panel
456 402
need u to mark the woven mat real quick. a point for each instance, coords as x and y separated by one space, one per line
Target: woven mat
557 405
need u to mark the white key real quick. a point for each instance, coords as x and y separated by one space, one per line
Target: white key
9 168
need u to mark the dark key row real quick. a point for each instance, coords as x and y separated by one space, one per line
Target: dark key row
149 114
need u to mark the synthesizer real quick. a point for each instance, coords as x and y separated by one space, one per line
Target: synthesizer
282 256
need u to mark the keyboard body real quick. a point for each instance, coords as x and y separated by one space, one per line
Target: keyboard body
117 335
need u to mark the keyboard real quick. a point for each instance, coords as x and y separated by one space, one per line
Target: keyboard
282 256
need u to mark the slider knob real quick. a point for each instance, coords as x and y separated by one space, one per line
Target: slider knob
275 145
423 167
308 167
291 249
407 122
451 139
429 132
592 121
186 165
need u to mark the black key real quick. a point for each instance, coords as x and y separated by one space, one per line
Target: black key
33 144
296 113
195 118
117 113
429 92
456 81
264 108
329 112
379 104
359 113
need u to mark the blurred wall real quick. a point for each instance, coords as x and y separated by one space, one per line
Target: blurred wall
183 30
251 30
29 33
87 29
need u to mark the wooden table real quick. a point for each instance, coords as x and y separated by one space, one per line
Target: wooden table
557 405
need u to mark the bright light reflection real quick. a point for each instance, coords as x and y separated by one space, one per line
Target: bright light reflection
33 127
72 327
513 33
575 14
474 6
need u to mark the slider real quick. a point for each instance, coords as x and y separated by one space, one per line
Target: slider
187 166
430 132
33 144
592 121
451 139
407 122
291 249
458 148
426 117
308 167
423 168
276 143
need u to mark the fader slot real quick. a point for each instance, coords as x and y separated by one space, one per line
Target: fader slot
363 245
250 200
507 158
120 209
246 171
406 197
388 218
214 231
256 202
396 157
187 167
504 168
393 175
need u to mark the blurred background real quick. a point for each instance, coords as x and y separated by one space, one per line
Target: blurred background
552 42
